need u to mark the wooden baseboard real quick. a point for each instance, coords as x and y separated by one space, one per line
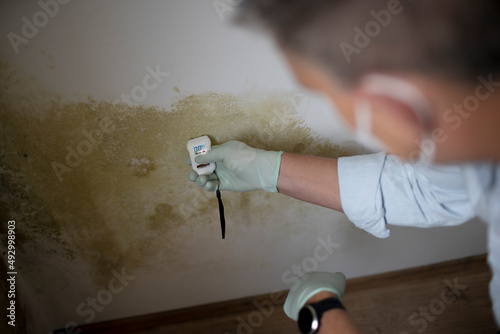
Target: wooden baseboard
474 263
240 306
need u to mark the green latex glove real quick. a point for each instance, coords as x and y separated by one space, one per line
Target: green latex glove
309 285
239 167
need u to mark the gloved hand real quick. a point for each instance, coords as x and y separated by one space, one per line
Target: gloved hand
239 167
309 285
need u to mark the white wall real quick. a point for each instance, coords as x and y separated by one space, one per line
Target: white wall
101 49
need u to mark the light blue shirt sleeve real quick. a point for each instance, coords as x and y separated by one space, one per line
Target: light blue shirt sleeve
380 189
483 183
494 262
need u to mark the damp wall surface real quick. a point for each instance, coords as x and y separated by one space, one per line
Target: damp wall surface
96 105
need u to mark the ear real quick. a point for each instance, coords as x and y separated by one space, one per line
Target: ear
400 113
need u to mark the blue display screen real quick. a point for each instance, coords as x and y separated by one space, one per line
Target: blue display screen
200 149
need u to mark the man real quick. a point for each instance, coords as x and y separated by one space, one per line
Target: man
416 79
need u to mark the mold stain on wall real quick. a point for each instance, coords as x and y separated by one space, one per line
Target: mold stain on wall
105 185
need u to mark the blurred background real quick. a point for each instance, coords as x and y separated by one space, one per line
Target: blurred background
97 102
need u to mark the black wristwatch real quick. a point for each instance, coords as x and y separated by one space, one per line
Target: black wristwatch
310 314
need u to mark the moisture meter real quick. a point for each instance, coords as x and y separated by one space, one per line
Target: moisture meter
196 147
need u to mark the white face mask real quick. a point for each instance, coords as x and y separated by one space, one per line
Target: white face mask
404 92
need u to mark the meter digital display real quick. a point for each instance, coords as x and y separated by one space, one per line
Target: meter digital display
200 149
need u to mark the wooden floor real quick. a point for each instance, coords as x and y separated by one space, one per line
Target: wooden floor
451 297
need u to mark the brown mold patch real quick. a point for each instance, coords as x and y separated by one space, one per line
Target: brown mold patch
108 182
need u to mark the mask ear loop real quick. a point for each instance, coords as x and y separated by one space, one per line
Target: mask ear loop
364 133
221 212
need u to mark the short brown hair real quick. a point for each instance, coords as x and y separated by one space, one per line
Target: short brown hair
455 39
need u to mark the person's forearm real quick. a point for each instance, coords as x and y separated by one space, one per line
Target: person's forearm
334 321
310 179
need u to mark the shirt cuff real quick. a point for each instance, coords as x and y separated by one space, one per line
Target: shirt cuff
360 193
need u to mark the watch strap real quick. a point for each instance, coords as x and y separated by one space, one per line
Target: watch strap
326 305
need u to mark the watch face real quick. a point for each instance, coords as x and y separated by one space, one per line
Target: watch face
308 321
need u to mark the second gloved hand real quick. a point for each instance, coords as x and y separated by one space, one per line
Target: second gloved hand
239 168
